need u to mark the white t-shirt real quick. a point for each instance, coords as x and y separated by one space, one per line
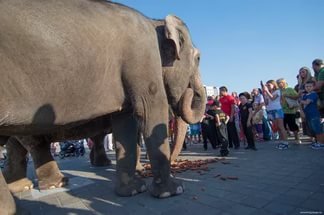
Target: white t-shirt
274 104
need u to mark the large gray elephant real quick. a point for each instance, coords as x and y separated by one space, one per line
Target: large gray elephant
57 58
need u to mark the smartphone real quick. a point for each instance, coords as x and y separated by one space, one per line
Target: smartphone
262 85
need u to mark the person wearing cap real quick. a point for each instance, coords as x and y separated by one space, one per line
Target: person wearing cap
228 106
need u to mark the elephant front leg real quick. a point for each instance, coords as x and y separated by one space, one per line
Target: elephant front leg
98 155
158 149
155 133
47 171
125 134
16 168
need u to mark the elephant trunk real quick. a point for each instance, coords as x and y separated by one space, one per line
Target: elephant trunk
180 133
192 108
193 101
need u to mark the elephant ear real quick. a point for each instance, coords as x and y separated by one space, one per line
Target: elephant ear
172 33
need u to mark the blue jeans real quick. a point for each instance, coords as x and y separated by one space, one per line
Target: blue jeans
314 125
275 114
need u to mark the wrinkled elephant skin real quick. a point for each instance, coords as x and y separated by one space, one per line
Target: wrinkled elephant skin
65 63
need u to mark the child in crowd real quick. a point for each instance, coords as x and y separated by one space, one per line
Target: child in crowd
312 114
195 132
246 118
272 97
221 120
257 121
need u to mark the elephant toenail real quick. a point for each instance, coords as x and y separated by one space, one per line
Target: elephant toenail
134 192
179 190
165 195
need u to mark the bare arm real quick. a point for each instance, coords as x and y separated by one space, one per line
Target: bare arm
306 102
318 86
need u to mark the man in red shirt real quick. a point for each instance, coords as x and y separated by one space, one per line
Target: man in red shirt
228 107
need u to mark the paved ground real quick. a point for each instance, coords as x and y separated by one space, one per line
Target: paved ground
269 181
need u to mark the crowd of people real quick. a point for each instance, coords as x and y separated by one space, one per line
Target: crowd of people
270 112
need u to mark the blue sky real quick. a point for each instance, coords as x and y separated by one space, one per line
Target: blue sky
245 41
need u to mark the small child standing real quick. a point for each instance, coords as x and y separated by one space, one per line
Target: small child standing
221 120
257 121
246 118
312 115
195 132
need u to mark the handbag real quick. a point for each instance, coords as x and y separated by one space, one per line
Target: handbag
292 103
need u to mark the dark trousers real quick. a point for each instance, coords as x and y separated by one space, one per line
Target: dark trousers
222 137
209 133
233 138
248 132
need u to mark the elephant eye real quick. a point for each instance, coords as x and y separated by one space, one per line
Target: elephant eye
198 59
181 39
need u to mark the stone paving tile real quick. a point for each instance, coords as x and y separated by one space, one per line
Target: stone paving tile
277 207
192 208
314 204
269 182
255 201
261 212
65 198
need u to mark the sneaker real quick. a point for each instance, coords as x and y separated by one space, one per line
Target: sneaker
298 141
275 136
314 144
282 146
318 146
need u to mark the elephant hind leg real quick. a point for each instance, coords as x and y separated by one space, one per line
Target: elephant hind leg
16 167
171 188
98 155
47 171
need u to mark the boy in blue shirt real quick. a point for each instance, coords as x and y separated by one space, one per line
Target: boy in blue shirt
312 114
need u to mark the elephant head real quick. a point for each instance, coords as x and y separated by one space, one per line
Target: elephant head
180 61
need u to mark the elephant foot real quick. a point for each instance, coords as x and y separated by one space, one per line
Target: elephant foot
164 190
134 186
50 177
20 185
53 182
